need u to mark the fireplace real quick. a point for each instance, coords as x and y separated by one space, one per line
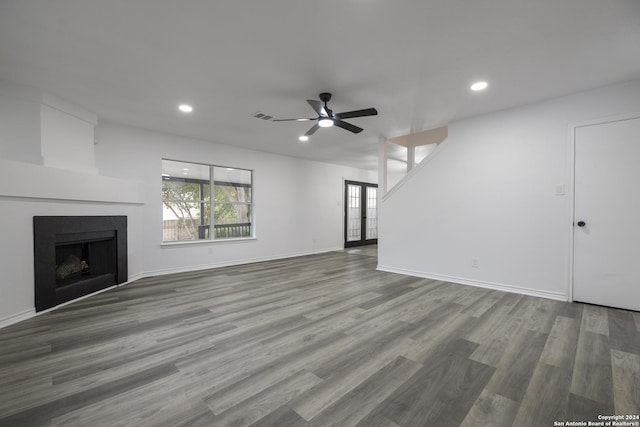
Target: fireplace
77 255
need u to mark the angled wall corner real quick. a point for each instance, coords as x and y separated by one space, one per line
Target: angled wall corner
67 136
42 129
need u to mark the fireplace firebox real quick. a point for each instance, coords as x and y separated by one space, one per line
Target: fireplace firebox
77 255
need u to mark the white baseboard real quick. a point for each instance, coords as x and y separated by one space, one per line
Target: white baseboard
18 317
558 296
235 262
28 314
131 280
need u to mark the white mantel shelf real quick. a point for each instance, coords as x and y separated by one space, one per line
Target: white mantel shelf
27 180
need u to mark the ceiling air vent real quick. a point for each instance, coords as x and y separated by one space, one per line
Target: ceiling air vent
262 116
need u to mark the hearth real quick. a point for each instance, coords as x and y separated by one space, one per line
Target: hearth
77 255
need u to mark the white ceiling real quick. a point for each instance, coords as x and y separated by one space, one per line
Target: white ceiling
133 61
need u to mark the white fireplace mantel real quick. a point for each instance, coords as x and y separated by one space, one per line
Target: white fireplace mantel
27 180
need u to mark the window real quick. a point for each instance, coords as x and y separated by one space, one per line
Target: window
192 191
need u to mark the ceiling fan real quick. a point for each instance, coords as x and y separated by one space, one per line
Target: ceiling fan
327 118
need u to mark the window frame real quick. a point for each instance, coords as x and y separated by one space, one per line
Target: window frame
203 202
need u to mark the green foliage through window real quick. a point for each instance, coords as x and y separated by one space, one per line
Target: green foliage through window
186 197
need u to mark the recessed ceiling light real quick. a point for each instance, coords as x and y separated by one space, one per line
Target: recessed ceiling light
185 108
479 86
304 138
230 169
325 123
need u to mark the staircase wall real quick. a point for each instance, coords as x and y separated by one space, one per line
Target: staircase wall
492 206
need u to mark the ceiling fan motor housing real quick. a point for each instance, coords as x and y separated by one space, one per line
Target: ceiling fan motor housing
325 97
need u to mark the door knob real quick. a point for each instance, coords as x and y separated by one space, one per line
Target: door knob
581 223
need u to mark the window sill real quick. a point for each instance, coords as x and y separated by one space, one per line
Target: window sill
205 242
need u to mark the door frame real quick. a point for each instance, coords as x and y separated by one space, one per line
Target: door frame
363 218
572 179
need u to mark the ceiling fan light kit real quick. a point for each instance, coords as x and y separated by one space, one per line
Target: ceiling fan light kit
325 123
326 117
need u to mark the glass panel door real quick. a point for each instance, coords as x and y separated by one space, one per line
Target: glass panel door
354 213
361 214
372 213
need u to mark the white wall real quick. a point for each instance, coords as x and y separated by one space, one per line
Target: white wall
19 124
489 192
298 203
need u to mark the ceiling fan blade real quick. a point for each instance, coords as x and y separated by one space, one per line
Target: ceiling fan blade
292 120
318 107
347 126
357 113
313 130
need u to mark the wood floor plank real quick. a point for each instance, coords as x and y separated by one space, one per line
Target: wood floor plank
592 369
20 395
459 394
381 343
517 365
624 335
479 307
485 326
436 332
340 305
284 416
546 399
626 382
358 403
55 408
470 296
562 343
391 310
415 402
491 409
425 305
491 350
595 319
537 312
583 409
349 375
318 340
377 420
163 401
203 418
264 377
267 401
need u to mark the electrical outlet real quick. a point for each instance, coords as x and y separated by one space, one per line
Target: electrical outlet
475 262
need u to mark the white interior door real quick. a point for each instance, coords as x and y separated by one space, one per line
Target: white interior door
606 265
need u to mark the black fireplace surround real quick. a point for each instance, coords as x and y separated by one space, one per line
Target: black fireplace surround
77 255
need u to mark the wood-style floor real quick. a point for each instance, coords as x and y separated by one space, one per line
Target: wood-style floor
319 340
